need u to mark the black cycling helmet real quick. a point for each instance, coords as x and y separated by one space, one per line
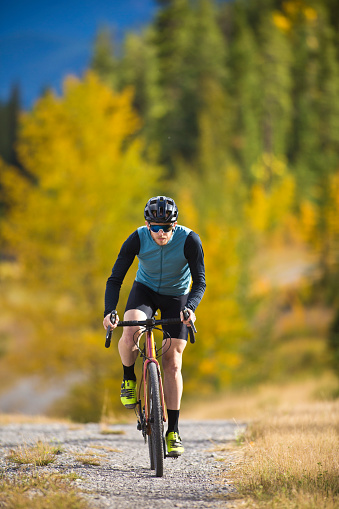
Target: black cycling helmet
161 209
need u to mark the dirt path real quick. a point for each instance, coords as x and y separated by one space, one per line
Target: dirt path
122 479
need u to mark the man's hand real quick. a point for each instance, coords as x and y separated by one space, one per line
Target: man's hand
191 317
107 321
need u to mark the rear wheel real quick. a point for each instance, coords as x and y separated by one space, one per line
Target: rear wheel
155 437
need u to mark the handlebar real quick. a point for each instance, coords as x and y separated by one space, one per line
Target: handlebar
149 323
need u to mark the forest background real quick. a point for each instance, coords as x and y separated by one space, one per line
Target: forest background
231 108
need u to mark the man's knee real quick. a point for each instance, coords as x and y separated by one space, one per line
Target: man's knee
172 370
172 364
129 336
126 340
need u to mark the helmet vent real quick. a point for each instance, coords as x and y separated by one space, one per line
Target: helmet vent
161 209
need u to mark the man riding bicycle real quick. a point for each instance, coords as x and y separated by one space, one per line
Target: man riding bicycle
170 258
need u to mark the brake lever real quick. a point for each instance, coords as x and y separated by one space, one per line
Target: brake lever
109 332
191 330
108 336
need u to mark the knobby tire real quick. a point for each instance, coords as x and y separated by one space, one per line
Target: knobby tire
155 438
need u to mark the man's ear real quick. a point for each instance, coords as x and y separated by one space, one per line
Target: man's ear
146 223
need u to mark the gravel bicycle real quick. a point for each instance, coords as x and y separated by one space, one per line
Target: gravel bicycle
150 407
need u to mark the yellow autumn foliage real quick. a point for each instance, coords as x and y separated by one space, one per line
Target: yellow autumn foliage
89 182
281 21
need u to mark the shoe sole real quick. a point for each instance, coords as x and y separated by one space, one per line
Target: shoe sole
174 454
130 405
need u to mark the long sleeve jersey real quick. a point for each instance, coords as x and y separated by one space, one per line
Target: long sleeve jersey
168 269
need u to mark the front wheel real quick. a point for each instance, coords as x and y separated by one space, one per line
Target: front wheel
156 421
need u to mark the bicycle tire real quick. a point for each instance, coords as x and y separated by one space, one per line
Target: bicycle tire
155 438
150 451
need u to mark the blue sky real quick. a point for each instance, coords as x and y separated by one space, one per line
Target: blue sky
41 43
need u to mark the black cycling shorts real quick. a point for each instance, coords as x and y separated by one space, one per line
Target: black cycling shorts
147 300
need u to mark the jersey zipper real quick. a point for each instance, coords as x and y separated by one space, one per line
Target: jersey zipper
161 262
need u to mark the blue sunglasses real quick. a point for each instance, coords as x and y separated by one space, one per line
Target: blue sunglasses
164 227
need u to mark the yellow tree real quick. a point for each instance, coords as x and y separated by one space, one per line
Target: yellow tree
91 181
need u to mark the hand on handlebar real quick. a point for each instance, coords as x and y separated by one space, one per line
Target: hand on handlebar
190 318
110 322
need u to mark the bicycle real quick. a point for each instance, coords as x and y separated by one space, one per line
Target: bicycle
150 407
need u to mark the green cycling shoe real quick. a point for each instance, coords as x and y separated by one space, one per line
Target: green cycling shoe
128 394
174 445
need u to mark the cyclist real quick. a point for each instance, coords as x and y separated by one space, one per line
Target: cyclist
170 258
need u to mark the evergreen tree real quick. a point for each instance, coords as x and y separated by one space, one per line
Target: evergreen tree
333 342
132 69
191 55
139 69
104 61
176 127
328 84
9 118
313 147
275 87
245 90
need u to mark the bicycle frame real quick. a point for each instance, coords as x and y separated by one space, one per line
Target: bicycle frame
150 356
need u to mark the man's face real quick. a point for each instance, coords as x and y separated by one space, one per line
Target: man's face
160 237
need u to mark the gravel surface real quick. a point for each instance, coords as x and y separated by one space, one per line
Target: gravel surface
122 479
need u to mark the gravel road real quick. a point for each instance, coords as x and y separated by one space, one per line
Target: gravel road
122 478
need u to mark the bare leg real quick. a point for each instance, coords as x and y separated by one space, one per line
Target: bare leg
127 348
173 383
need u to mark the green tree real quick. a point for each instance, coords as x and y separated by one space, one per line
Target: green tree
104 61
176 128
9 122
333 340
139 69
313 143
191 55
9 115
245 90
275 86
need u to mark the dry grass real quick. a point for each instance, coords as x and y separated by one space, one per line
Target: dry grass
6 419
250 405
287 459
39 492
290 459
90 458
39 454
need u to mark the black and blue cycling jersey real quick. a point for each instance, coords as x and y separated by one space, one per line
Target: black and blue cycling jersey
168 270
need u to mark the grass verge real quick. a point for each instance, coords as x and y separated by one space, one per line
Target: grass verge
39 492
39 454
289 459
